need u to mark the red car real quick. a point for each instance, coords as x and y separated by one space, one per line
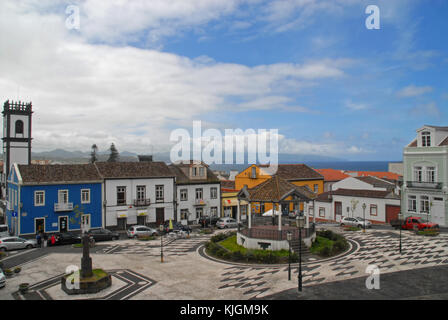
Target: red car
414 222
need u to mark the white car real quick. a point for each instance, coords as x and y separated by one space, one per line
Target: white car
357 222
2 279
14 243
226 223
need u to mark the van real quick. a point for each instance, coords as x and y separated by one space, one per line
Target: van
4 230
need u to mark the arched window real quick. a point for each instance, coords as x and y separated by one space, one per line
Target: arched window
19 127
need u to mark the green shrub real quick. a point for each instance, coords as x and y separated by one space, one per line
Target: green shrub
325 251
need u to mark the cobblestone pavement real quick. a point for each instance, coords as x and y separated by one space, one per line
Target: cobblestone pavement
187 273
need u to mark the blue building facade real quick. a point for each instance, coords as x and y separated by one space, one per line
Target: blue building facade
64 204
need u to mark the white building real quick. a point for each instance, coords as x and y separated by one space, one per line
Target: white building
136 193
381 199
425 179
198 192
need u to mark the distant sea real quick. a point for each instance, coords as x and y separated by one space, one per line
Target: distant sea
338 165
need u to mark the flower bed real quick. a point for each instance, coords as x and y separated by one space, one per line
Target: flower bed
224 246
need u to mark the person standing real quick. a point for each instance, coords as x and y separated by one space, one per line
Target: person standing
39 240
53 240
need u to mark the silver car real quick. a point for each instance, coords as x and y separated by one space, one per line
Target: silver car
15 243
2 279
226 223
135 231
357 222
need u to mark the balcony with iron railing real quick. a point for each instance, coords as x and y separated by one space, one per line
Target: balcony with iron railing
63 206
424 185
199 202
142 202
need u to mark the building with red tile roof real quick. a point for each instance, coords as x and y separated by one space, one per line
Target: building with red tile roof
331 176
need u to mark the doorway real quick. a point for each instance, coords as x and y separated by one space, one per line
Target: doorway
141 220
63 224
160 216
39 225
121 223
337 211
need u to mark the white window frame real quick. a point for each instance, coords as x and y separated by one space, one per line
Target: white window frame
426 139
183 194
141 191
88 193
413 198
374 206
424 204
59 195
320 210
430 173
213 193
418 173
43 197
202 193
215 213
160 193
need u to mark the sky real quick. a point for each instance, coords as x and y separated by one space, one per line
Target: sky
132 71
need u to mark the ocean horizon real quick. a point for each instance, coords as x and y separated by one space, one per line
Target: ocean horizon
382 166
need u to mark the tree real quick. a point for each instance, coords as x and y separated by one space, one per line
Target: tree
93 157
354 203
114 155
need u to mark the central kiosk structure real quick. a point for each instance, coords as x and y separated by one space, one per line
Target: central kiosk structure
271 232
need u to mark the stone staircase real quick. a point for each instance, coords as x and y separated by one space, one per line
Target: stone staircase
305 250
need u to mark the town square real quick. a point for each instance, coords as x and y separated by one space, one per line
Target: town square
231 157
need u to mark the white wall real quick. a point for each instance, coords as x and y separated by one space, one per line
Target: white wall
189 203
353 183
131 194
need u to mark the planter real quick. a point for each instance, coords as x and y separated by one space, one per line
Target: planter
17 270
9 273
23 287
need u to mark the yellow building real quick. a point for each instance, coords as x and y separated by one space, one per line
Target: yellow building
297 174
230 200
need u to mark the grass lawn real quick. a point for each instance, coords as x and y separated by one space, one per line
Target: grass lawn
320 243
231 245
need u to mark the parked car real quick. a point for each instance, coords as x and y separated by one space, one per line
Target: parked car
177 226
208 221
411 223
103 235
4 231
226 223
357 222
15 243
65 238
135 231
2 279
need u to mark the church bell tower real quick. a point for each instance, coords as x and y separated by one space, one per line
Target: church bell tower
16 135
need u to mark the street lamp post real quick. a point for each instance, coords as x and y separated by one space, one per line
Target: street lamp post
300 224
364 216
288 235
161 243
400 219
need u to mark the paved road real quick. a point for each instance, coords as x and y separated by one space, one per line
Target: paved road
423 283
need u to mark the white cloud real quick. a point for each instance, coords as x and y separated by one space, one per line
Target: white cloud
85 93
413 91
355 106
428 109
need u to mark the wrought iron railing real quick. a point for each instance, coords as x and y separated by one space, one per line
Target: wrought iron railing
424 185
142 202
261 233
63 206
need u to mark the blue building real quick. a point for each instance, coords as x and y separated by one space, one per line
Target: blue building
53 198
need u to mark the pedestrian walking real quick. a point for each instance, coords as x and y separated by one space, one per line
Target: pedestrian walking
45 237
39 240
